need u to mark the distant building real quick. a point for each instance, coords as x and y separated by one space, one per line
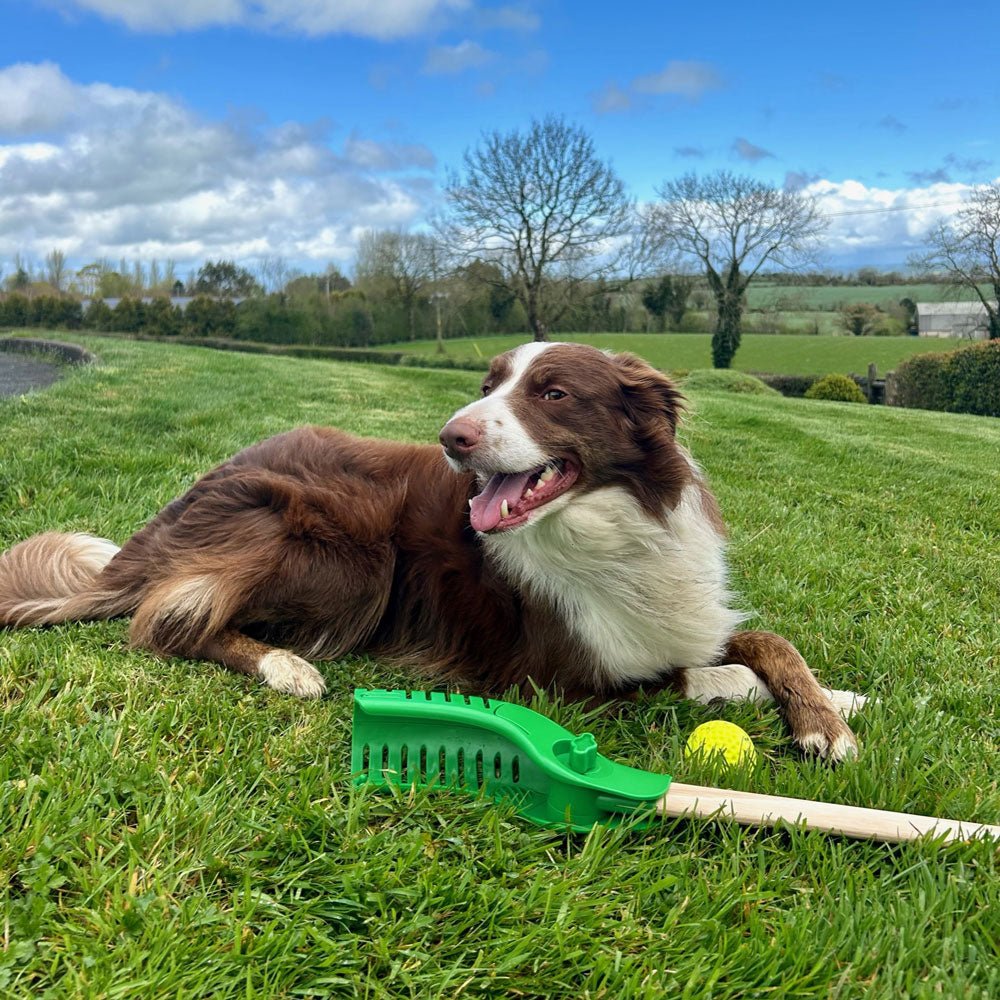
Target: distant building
952 319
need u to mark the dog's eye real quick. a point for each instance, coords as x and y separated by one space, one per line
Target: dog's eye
553 394
487 389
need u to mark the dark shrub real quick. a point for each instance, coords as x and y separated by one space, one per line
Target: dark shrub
97 316
127 316
162 318
974 373
208 317
14 310
962 381
839 388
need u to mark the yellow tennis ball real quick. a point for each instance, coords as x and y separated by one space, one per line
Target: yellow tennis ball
712 738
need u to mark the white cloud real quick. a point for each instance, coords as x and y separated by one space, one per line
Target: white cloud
450 59
379 19
128 173
882 225
38 97
690 79
508 19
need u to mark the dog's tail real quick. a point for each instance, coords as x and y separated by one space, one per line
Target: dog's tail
56 578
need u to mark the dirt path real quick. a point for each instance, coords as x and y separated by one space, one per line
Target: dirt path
19 375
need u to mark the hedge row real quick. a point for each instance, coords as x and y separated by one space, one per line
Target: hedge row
361 354
788 385
962 381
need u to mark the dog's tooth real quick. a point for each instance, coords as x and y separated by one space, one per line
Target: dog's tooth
529 492
548 474
504 510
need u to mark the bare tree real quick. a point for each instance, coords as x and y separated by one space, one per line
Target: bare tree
731 226
403 263
541 207
55 269
274 273
966 251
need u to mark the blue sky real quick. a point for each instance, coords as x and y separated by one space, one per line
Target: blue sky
189 129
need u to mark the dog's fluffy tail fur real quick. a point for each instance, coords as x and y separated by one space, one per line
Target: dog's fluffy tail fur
54 578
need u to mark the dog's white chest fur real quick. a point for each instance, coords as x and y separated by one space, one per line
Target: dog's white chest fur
642 596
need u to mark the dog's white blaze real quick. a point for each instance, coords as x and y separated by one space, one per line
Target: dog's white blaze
506 446
643 596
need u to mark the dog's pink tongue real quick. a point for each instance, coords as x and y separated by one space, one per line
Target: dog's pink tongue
484 514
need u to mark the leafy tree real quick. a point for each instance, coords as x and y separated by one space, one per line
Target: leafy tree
909 310
542 208
860 319
966 251
668 297
115 285
731 226
225 279
20 280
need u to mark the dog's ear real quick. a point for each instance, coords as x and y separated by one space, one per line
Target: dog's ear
648 396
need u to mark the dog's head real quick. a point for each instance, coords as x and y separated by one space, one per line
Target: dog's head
557 420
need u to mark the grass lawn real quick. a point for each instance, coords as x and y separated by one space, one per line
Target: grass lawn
784 355
176 831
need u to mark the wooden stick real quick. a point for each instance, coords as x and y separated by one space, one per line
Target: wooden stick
755 809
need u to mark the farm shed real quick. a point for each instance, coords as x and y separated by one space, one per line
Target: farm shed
952 319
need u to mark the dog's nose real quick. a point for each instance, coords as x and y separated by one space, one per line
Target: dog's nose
460 436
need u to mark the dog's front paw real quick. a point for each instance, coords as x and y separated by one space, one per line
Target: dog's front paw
828 737
290 674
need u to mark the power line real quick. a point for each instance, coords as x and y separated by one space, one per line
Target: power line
894 208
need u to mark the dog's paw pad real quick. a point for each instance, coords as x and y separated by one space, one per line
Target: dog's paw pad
290 674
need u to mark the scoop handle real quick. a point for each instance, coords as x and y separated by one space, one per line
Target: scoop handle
756 809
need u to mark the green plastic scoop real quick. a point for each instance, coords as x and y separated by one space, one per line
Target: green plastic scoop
553 777
556 779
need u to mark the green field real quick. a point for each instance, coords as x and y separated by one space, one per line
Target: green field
785 355
176 831
828 297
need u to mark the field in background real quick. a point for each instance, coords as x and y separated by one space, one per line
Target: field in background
761 295
779 355
177 831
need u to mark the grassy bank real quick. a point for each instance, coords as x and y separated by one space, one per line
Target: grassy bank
784 355
175 831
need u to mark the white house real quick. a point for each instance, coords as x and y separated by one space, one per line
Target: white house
952 319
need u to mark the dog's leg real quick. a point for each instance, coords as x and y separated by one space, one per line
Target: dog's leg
277 668
763 667
735 682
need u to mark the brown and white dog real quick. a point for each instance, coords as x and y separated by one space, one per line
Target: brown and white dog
562 537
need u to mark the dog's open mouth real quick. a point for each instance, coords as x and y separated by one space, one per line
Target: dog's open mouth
508 498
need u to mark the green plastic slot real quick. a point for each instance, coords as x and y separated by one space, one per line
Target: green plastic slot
554 778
